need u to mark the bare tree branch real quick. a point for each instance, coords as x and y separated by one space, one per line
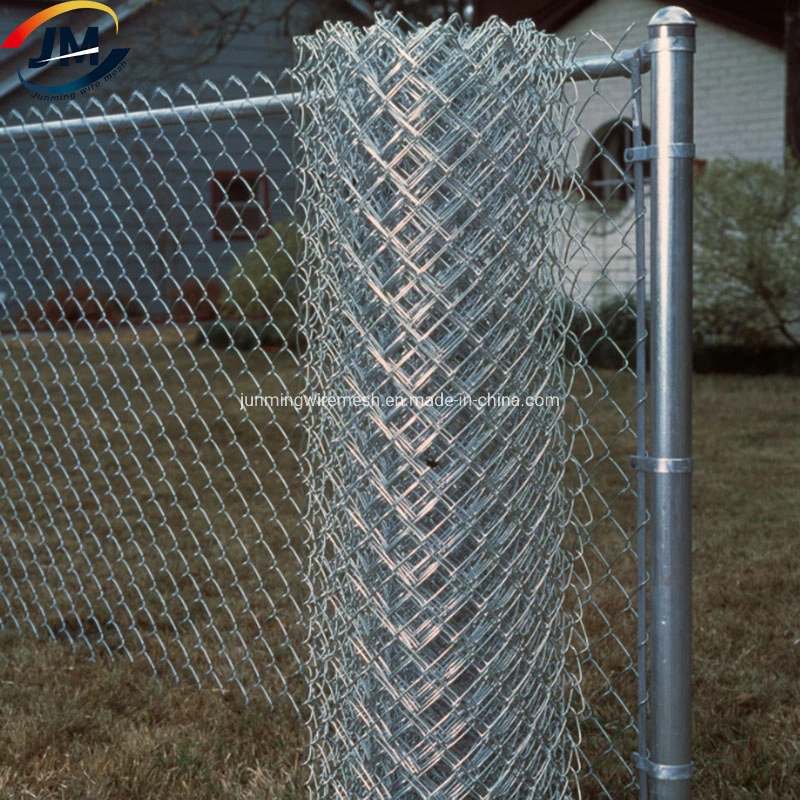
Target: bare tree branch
215 29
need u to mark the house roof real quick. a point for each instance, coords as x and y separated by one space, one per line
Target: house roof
762 21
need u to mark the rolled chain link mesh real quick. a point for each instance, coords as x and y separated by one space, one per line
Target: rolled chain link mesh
445 595
436 166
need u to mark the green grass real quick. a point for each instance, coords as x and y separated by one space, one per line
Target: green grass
72 729
177 508
144 508
747 587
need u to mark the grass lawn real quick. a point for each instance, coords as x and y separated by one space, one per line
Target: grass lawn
162 575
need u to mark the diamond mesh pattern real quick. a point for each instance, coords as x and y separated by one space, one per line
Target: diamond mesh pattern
436 165
466 625
144 513
607 412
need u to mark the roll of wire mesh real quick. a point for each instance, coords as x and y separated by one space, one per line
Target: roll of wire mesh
433 167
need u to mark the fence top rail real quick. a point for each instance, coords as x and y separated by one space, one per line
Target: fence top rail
615 65
155 117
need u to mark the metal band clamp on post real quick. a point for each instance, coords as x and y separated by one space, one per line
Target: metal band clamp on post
680 150
662 465
664 772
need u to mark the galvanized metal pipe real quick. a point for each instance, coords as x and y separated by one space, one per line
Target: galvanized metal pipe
589 68
671 45
615 65
154 117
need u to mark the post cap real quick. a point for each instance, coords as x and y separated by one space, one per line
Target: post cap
671 15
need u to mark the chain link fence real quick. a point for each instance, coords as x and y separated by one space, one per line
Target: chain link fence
146 512
447 596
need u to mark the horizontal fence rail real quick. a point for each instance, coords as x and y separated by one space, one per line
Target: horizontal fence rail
589 68
251 107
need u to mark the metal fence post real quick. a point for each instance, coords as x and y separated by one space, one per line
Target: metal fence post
671 44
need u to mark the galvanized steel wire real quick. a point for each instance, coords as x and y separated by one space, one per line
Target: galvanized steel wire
436 168
449 600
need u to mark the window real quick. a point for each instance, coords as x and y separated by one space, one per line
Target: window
605 175
239 203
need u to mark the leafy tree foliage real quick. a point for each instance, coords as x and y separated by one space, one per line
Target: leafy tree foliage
747 253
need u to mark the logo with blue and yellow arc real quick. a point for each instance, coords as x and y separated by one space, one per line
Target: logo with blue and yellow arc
70 51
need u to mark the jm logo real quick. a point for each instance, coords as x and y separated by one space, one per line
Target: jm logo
68 47
70 52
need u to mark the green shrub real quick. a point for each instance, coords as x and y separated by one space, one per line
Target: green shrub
264 283
747 254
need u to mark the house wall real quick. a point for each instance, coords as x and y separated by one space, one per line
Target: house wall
739 106
130 212
739 111
176 42
739 81
133 210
